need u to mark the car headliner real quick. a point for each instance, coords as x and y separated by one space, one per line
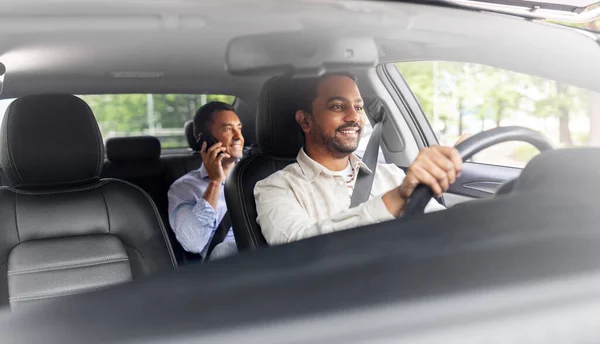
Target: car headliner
96 47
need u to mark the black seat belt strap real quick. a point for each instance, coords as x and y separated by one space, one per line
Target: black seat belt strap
220 234
364 180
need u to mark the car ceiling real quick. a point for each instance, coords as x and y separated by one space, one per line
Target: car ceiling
180 46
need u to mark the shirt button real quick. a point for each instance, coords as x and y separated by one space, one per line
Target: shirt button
340 183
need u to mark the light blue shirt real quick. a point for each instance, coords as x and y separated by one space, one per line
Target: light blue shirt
192 218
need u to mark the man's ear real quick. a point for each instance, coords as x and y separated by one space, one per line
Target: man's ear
302 119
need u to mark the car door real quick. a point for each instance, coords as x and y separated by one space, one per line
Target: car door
446 101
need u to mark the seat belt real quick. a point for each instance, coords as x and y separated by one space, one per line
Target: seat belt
220 234
364 180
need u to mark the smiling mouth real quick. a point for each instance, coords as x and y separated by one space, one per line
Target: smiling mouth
349 131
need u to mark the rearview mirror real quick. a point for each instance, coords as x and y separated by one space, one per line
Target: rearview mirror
300 53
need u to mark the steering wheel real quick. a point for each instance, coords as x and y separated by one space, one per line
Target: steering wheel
473 145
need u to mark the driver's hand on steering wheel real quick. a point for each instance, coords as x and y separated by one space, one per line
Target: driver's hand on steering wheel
436 167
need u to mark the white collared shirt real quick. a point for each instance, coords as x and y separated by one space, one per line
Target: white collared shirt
305 199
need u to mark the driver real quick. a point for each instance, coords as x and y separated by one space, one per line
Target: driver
312 196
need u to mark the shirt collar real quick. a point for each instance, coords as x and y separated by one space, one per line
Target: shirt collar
313 169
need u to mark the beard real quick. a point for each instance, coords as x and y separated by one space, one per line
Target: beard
338 144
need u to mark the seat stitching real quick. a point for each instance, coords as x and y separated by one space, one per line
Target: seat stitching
98 139
16 222
32 297
104 261
61 183
106 208
9 146
52 192
248 228
144 261
102 182
156 213
243 166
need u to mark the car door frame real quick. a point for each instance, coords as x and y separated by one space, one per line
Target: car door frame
477 180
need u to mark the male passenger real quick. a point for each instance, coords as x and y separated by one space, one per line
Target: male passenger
312 196
196 200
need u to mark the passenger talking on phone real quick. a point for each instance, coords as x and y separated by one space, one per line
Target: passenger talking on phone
196 200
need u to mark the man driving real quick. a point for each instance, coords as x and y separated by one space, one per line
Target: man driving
312 196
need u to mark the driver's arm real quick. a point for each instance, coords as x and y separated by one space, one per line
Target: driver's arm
283 219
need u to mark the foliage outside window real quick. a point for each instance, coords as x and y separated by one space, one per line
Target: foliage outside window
465 98
159 115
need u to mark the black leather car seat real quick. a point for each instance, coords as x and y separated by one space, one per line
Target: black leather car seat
279 140
188 129
136 159
63 230
179 165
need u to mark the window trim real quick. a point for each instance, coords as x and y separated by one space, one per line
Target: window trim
407 104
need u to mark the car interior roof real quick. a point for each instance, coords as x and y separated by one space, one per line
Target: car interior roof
114 46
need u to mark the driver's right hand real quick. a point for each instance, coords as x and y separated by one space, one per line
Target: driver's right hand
436 167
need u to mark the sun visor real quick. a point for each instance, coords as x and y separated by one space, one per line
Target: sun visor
301 54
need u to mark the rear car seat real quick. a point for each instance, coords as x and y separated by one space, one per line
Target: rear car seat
179 165
137 160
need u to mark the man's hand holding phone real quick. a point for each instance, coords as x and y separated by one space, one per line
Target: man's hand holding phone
212 158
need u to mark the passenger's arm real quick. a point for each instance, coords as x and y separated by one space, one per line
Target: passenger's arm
283 219
193 221
212 193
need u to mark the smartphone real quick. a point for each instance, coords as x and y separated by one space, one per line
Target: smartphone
209 139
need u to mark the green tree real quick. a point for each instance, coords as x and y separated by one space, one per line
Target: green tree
593 98
420 78
120 112
561 101
503 92
127 113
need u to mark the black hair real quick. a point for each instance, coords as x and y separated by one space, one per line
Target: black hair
308 89
204 116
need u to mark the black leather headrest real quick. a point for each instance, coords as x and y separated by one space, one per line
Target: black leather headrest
134 148
277 131
50 140
189 135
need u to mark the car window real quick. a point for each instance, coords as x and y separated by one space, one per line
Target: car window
465 98
159 115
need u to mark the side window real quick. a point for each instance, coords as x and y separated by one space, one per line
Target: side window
159 115
464 99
